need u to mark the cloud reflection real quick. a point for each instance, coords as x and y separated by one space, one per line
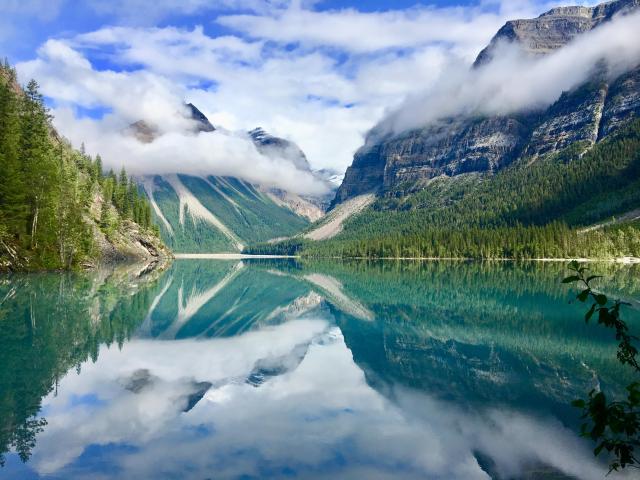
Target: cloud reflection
316 418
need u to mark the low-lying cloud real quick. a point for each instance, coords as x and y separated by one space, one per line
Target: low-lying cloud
320 77
140 95
514 81
220 153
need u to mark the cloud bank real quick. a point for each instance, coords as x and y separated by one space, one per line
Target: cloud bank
319 77
134 96
514 81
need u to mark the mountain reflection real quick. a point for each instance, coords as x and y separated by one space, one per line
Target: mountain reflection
283 369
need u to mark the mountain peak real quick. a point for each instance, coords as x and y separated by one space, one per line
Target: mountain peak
270 145
554 29
203 123
398 164
147 132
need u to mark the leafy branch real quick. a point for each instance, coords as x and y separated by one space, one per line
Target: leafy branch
613 425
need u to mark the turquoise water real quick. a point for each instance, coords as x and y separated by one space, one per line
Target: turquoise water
282 369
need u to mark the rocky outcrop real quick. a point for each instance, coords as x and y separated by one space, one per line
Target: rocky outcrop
202 123
553 29
143 131
406 162
451 147
271 146
128 243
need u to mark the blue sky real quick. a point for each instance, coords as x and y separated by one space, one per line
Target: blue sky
321 73
30 23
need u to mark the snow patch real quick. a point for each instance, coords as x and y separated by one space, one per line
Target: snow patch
197 211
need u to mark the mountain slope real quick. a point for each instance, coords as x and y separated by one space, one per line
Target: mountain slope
216 214
205 214
397 164
58 210
554 29
524 185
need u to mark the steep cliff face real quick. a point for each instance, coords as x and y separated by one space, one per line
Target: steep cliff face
403 163
449 148
553 29
623 103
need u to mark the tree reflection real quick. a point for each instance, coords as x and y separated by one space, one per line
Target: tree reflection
51 323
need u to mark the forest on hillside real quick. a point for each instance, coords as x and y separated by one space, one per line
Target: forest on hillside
53 197
534 209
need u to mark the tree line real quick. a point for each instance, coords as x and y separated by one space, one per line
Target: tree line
555 240
533 209
48 189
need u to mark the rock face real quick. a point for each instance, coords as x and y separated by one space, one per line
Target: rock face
449 148
129 243
279 147
202 122
554 29
309 207
406 162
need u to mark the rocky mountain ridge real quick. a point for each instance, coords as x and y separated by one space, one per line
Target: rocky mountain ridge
311 207
554 29
403 163
209 213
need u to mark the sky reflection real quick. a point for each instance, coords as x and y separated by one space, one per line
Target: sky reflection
316 420
297 392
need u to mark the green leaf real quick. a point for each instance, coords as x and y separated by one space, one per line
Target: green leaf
583 295
590 313
601 299
578 403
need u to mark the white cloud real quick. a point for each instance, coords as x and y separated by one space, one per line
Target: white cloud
466 27
514 81
68 77
299 420
142 95
319 78
214 153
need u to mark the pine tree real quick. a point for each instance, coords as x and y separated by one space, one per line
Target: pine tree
98 168
47 189
12 210
39 167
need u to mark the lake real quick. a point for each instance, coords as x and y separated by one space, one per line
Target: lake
293 369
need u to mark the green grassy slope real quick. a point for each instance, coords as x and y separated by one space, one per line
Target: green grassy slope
250 215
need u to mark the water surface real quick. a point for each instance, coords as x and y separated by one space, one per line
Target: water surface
281 369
